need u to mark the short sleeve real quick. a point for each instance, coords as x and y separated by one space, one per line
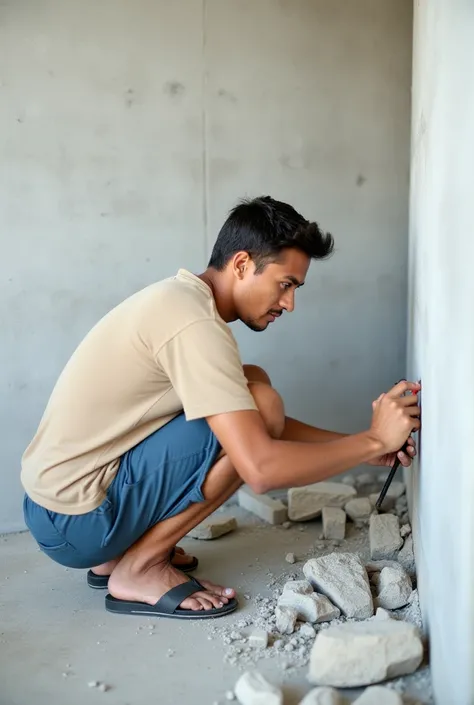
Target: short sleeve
203 364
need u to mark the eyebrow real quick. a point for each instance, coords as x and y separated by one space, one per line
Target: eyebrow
294 280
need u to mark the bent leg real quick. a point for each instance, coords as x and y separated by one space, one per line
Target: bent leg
144 573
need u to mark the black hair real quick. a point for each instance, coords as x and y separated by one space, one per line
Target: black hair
264 228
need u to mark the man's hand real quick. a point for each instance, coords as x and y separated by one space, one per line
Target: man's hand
388 459
400 411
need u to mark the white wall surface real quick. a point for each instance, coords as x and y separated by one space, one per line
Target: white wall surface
441 339
129 130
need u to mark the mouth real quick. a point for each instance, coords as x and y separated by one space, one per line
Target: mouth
274 315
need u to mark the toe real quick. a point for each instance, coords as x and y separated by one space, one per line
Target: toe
218 590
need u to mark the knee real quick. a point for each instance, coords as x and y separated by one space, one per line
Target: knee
271 408
254 373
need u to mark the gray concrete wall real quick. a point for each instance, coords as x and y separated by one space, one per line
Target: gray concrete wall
441 335
128 131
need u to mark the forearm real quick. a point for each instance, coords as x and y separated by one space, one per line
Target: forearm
295 464
304 433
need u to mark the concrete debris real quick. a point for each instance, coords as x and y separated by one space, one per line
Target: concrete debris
363 653
359 509
378 566
304 587
334 523
286 619
396 489
230 695
349 480
343 578
406 557
290 558
388 503
382 613
103 687
322 696
377 695
405 531
253 689
258 639
384 536
93 684
394 588
286 525
270 510
306 631
305 503
213 528
310 608
365 478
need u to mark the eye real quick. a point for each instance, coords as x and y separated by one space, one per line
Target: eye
285 285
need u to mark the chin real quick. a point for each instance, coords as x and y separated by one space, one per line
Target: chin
256 327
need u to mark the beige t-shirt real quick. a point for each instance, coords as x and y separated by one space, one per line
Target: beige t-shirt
160 351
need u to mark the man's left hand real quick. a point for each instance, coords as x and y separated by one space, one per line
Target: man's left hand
388 459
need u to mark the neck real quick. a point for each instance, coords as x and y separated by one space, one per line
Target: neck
221 288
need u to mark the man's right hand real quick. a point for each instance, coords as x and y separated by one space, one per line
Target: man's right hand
395 416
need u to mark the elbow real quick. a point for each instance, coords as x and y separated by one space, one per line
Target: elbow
256 479
258 485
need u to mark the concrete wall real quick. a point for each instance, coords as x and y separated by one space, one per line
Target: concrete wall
128 131
441 337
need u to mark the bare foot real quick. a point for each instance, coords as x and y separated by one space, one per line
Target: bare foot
150 586
181 559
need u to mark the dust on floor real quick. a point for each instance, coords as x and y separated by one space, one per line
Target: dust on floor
56 639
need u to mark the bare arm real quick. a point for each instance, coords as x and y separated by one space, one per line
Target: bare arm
303 432
265 463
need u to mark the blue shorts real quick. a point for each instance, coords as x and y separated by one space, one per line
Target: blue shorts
157 479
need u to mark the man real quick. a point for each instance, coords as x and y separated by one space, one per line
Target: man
117 473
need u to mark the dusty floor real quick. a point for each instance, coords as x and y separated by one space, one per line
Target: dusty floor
56 637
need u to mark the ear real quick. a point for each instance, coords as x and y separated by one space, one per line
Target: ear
240 264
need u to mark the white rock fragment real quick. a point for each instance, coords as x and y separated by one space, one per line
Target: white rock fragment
359 509
306 631
270 510
349 480
93 684
381 613
343 578
384 536
310 608
103 687
286 619
394 588
363 653
304 587
253 689
406 557
322 696
377 695
258 639
405 531
387 505
365 478
305 503
213 528
230 695
334 523
290 558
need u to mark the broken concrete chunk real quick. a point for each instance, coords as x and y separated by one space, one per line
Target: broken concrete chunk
359 509
405 531
384 535
349 480
253 689
365 478
213 528
271 510
343 578
302 586
334 523
382 614
286 619
322 696
377 695
394 588
406 557
290 558
258 639
306 631
363 653
378 566
387 505
305 503
310 608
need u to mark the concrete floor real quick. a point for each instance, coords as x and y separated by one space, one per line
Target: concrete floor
56 637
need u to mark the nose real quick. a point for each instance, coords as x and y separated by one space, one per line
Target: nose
287 301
